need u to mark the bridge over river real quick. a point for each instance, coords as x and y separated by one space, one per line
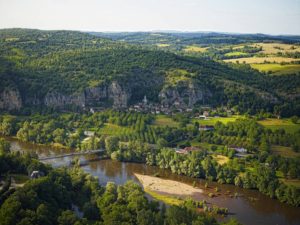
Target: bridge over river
72 154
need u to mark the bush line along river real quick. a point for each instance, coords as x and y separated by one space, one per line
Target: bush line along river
250 208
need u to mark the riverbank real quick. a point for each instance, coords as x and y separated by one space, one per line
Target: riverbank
168 187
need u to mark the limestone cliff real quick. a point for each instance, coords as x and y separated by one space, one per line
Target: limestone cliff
10 99
55 99
119 95
183 95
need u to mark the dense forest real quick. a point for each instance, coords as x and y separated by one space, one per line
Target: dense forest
37 63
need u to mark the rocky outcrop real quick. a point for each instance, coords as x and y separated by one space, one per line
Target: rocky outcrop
55 99
183 95
10 99
91 96
120 96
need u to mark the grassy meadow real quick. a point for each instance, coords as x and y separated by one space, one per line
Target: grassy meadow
286 124
259 60
194 48
284 151
277 69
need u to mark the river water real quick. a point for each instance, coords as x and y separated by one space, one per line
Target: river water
250 208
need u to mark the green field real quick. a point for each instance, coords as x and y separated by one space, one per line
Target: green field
213 120
277 69
163 120
112 129
285 124
235 53
193 48
284 151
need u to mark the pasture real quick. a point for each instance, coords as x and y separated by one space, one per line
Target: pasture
277 69
258 60
112 129
213 120
221 159
283 151
163 120
194 48
235 54
273 48
286 124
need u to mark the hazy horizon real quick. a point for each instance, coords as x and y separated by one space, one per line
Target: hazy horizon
273 17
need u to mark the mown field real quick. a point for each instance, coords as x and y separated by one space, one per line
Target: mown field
193 48
285 124
257 60
163 120
112 129
273 48
213 120
277 69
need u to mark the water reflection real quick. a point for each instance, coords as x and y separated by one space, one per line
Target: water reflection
262 210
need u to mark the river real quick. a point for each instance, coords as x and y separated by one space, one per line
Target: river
250 208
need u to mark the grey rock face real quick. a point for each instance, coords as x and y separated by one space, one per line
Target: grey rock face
10 99
185 95
55 99
119 95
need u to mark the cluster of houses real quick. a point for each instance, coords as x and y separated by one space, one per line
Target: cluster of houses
155 108
240 152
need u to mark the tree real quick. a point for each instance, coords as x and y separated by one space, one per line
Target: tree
67 217
4 146
111 144
294 119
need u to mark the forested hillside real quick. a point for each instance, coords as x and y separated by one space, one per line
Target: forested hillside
68 69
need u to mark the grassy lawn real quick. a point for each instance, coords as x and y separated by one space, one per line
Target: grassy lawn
169 200
193 48
221 159
163 120
277 69
286 124
284 151
213 120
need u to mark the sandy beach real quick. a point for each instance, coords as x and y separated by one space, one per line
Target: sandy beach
167 186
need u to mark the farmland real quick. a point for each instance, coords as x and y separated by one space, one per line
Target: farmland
277 69
284 151
273 48
286 124
193 48
256 60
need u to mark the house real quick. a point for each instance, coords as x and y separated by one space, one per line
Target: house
89 133
206 113
206 128
36 174
240 149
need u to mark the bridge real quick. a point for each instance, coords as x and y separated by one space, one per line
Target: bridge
72 154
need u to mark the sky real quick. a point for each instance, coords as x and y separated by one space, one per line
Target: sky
238 16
